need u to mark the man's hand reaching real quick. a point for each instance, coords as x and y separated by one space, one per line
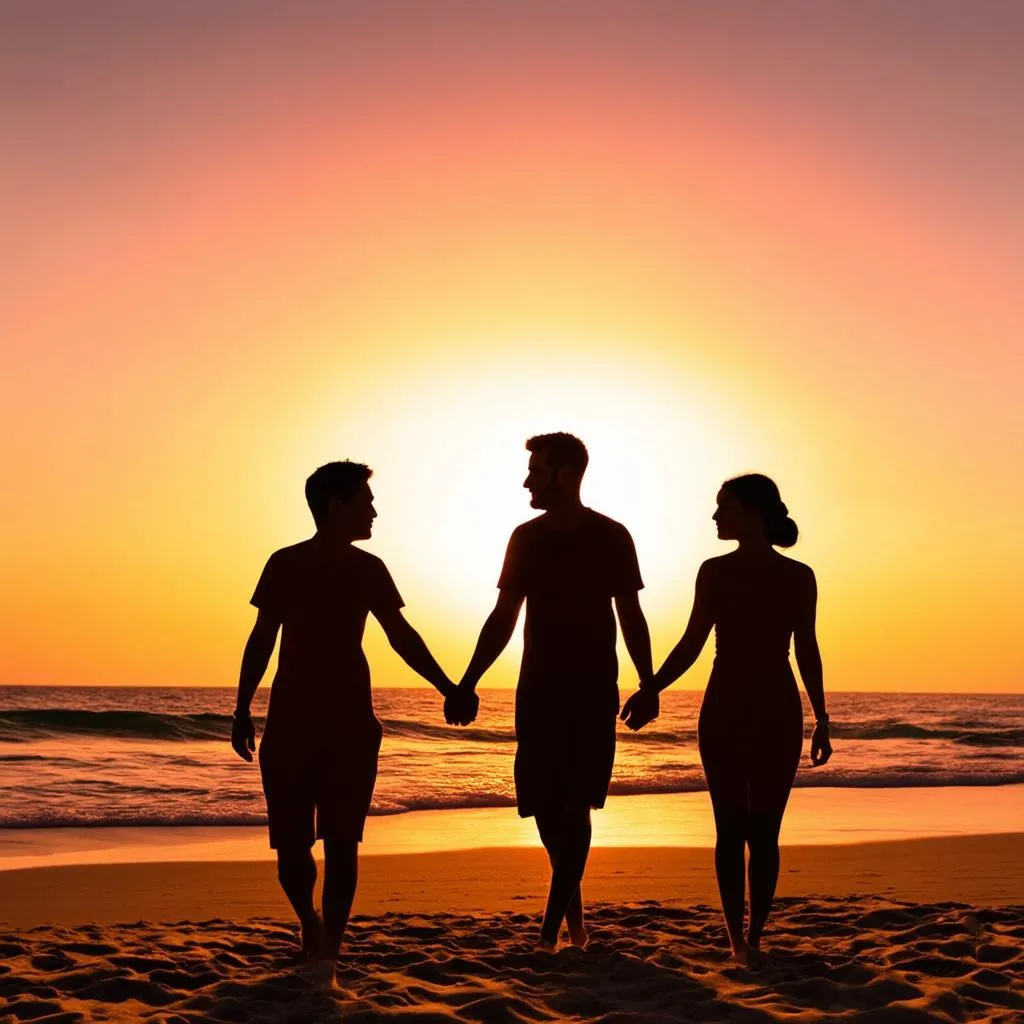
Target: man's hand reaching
243 735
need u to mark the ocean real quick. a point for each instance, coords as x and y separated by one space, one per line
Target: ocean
91 756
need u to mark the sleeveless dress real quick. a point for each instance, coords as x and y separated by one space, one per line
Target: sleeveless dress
750 730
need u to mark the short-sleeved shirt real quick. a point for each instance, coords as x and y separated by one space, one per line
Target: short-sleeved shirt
321 597
569 578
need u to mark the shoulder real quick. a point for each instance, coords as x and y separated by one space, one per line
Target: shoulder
713 567
608 526
531 528
290 555
800 577
367 561
798 570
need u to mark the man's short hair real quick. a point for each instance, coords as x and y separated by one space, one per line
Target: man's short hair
340 480
561 450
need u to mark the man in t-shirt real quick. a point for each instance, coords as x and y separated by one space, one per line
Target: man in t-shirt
318 755
570 565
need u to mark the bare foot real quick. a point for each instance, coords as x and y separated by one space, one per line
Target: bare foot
758 958
748 955
545 945
320 971
579 936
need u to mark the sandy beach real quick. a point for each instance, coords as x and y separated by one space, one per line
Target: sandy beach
929 929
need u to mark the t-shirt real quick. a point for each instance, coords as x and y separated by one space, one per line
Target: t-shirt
568 578
321 597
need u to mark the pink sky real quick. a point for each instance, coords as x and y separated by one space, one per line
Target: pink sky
228 226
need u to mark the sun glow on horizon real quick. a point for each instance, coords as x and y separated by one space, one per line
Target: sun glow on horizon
452 460
706 243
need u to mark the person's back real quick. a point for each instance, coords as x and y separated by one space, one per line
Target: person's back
755 603
569 578
322 596
750 729
570 566
318 755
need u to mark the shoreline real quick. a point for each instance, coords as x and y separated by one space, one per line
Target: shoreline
816 816
976 870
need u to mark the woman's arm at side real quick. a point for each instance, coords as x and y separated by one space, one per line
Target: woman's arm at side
808 660
805 644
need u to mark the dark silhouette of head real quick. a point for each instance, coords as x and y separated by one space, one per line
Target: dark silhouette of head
557 464
751 505
339 496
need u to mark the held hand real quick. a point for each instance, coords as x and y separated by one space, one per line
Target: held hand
450 693
641 708
243 737
470 703
461 707
453 707
821 747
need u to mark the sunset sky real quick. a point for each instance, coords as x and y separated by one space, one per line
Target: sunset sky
242 239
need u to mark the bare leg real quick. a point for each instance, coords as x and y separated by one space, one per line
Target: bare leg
296 871
549 827
341 869
762 876
729 870
768 798
729 802
569 863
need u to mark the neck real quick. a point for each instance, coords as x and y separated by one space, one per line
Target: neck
566 515
757 546
333 539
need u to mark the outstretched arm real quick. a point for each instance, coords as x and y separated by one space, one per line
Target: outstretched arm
494 637
409 646
808 660
255 659
635 633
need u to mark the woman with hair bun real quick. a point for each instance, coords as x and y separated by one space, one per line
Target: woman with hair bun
750 730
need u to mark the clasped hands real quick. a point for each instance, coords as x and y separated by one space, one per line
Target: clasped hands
642 707
461 704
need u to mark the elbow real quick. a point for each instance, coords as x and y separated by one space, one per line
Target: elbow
403 640
806 649
501 626
261 646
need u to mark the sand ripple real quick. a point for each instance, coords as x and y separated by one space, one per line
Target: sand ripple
832 959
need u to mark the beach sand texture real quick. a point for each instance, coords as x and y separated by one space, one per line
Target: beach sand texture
449 937
833 959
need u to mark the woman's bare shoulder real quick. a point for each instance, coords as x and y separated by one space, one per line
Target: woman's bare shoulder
799 572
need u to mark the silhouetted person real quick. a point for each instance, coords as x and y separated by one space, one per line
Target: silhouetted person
318 755
751 720
569 565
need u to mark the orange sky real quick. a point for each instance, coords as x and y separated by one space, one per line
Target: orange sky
240 241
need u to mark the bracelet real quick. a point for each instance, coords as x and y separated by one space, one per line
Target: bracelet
241 716
824 720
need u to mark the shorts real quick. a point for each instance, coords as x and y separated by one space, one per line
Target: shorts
319 788
564 752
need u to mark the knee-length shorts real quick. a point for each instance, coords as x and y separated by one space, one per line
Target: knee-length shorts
319 787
